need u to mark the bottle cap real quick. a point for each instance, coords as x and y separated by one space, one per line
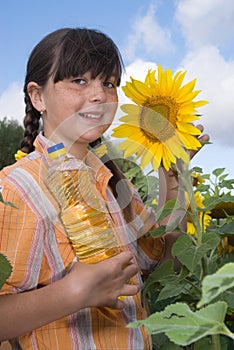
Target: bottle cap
56 151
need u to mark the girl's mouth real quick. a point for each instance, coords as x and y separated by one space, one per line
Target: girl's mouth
90 116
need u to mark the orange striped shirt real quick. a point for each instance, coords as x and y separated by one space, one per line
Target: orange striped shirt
34 240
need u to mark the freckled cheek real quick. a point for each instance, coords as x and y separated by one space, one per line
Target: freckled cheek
112 105
68 105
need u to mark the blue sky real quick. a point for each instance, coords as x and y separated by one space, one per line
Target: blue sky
23 23
193 35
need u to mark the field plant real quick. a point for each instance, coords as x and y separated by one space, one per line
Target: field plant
5 266
194 309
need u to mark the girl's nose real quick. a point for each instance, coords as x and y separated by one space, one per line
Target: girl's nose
97 92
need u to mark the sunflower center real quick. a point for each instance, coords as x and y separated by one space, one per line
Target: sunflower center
158 118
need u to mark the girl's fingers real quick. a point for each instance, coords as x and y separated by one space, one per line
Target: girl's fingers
130 289
125 257
201 138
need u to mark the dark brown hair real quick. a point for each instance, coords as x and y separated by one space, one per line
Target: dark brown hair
66 53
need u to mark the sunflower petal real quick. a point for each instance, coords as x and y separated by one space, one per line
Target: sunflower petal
146 158
155 164
129 148
190 141
141 88
177 83
130 108
124 130
150 79
185 90
158 152
168 158
189 128
133 94
188 118
200 103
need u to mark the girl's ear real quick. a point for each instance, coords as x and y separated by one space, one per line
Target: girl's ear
35 94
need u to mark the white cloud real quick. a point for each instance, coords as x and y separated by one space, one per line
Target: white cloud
206 21
148 36
12 103
138 69
215 77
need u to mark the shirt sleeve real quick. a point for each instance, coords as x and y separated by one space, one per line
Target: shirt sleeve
17 241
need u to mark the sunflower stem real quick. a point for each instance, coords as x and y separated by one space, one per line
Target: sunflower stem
216 342
194 286
185 176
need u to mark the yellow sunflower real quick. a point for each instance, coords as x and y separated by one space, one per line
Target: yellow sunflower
197 179
20 154
100 150
207 218
226 246
158 127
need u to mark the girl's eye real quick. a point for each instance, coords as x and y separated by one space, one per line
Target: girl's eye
109 84
79 81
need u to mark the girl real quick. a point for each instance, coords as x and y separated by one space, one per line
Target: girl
51 301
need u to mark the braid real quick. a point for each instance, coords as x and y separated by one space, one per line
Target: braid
124 193
31 124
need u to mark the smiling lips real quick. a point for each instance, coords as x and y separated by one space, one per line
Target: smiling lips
91 115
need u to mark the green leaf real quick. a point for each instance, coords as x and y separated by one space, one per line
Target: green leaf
215 284
210 240
169 207
162 229
159 231
183 326
211 202
206 176
5 269
206 143
227 184
167 282
172 290
226 229
228 297
221 178
197 169
6 203
1 197
189 254
164 271
203 188
217 172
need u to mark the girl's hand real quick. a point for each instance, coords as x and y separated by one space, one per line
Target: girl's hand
201 138
85 285
101 284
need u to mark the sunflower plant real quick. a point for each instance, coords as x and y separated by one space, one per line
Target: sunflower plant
5 265
158 126
195 308
192 309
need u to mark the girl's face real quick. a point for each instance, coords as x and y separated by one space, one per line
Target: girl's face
78 109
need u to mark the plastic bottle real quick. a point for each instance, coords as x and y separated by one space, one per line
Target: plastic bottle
82 208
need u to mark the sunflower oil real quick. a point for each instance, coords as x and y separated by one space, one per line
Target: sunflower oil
82 209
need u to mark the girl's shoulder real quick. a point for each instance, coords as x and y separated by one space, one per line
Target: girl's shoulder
28 163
